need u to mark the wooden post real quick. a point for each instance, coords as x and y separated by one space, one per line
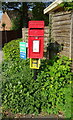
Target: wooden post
35 74
23 34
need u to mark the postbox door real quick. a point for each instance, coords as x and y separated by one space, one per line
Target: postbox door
36 47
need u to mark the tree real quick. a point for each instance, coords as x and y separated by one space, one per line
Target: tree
22 9
37 12
16 23
3 26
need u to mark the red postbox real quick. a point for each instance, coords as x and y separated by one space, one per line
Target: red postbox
35 39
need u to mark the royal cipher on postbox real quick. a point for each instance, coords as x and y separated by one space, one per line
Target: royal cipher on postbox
35 39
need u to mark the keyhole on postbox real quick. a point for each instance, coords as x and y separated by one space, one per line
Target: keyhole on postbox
36 45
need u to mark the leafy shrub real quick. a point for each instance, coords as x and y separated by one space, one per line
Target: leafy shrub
55 86
11 50
16 84
49 93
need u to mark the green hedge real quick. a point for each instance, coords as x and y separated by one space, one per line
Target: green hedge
49 93
11 50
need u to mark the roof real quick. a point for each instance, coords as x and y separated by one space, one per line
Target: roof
3 17
55 5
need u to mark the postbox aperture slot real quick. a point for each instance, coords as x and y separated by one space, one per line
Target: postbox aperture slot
36 45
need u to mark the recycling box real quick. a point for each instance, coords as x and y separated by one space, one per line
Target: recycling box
23 50
35 39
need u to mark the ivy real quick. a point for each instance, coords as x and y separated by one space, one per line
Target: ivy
67 5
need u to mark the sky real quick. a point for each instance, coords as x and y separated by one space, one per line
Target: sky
0 14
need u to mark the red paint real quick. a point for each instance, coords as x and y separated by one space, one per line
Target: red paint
35 32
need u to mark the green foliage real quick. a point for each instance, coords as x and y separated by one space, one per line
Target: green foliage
23 16
49 93
3 24
16 23
16 84
67 5
20 11
55 86
37 12
11 50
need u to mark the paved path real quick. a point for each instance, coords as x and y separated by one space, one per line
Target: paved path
1 55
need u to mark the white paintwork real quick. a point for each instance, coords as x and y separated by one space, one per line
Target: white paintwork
53 6
36 46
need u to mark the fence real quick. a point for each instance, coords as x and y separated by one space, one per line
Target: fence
9 35
62 31
61 23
